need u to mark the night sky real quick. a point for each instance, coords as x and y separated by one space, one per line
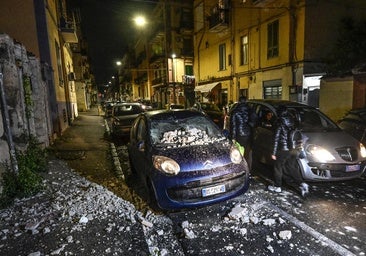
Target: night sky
108 27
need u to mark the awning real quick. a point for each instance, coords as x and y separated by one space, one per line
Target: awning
205 87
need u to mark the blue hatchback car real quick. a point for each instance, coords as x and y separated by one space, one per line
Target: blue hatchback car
184 160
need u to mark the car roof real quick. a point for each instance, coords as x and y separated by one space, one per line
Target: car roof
276 102
128 103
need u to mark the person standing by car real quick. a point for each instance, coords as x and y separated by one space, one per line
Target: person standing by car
284 156
240 129
267 120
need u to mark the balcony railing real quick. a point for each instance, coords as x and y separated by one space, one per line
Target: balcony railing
158 80
219 20
68 32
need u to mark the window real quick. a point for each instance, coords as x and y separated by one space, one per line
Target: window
222 57
188 70
272 89
272 46
273 92
243 50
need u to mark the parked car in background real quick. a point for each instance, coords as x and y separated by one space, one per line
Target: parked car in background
123 115
175 106
211 110
354 122
331 153
184 160
146 104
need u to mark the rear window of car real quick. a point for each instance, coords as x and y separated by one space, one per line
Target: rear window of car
127 110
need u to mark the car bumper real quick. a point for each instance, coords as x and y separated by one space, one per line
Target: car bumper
331 172
209 186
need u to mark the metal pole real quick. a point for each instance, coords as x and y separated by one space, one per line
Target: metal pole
6 121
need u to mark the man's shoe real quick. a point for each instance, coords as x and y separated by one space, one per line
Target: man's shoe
274 189
304 188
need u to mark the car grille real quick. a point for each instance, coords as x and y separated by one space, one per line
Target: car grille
192 191
348 154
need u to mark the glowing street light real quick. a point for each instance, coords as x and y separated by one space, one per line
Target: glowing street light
118 63
140 21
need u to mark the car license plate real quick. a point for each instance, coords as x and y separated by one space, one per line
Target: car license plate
213 190
352 168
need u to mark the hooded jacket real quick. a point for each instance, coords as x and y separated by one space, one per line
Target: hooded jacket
285 124
239 121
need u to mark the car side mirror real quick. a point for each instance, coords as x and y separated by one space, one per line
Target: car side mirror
141 146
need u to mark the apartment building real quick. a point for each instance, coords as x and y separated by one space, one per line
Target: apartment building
47 32
265 48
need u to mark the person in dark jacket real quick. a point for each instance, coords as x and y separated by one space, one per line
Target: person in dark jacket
285 159
240 129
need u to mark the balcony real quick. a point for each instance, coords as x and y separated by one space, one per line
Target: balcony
68 31
157 58
262 3
157 34
218 20
158 81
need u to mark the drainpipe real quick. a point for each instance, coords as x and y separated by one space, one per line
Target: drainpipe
234 81
292 37
6 121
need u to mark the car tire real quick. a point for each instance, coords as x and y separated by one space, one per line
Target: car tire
132 167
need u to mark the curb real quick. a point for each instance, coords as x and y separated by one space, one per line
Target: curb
116 162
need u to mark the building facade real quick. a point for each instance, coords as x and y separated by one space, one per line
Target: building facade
265 48
46 30
162 70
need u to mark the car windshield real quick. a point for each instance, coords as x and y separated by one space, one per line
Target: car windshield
313 120
127 109
184 132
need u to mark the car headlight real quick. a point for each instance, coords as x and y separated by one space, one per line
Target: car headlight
235 155
166 165
320 153
362 150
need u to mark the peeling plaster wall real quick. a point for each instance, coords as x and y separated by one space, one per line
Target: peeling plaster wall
26 119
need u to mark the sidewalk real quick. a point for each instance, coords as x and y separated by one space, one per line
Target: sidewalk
75 216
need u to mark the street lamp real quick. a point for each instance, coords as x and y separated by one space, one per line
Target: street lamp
140 21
